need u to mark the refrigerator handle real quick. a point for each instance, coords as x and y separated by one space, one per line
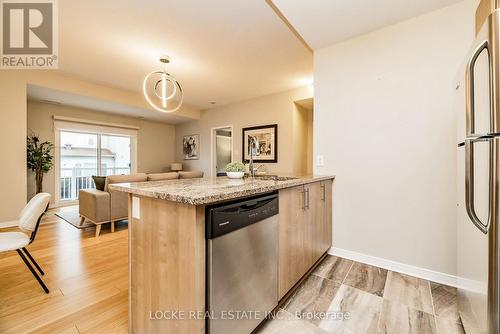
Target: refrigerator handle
469 88
469 183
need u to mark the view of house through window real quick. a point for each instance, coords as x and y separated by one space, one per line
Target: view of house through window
83 155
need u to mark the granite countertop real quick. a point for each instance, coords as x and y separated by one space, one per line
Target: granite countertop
210 190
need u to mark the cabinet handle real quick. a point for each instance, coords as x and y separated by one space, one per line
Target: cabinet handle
323 192
303 193
307 194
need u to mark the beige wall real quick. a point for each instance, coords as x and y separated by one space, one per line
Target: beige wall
13 139
302 139
13 118
270 109
155 141
310 142
386 127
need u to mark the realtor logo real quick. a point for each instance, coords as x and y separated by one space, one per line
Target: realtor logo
29 34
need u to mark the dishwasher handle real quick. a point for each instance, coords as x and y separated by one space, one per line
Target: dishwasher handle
225 218
255 204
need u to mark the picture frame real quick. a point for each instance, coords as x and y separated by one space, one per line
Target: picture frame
191 147
267 137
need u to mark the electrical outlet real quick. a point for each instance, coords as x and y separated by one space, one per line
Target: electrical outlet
320 160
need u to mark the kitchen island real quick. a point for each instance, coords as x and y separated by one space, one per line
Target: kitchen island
167 247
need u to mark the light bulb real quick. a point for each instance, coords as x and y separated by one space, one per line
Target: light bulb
164 90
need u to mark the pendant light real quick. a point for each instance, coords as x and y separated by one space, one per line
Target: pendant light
162 91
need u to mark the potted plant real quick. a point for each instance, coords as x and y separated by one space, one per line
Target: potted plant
39 158
235 170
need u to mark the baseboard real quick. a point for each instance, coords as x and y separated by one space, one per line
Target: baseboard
472 286
62 204
9 224
423 273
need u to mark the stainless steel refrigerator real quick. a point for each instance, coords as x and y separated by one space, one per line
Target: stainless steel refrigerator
478 107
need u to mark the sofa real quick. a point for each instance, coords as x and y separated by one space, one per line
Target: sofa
108 206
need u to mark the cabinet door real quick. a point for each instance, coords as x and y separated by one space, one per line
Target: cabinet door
319 218
327 200
316 220
293 259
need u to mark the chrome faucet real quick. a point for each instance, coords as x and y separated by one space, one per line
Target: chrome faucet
253 144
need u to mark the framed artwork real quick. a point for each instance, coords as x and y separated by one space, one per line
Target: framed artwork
265 148
191 147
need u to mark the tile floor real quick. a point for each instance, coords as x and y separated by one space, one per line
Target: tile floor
342 296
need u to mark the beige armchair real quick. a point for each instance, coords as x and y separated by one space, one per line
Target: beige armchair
106 206
109 206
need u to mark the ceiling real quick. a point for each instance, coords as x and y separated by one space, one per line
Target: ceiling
325 22
47 95
221 50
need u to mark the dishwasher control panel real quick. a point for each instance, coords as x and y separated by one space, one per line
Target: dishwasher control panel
227 217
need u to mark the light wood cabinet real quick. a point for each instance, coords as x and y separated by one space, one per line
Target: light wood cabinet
167 253
484 9
166 265
293 239
305 232
320 209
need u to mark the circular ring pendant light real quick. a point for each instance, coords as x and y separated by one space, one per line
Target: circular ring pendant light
162 91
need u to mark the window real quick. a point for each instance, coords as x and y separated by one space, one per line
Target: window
84 151
115 155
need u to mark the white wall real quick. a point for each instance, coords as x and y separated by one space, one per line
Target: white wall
385 125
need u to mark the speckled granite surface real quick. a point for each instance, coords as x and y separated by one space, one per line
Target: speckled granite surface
205 191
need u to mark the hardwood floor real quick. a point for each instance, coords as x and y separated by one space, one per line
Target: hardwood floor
87 279
88 282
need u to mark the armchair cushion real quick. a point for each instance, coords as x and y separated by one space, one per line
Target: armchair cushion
118 205
139 177
190 174
95 205
163 176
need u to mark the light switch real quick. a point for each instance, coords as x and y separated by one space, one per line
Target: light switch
320 160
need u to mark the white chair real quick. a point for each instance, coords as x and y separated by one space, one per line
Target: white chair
28 222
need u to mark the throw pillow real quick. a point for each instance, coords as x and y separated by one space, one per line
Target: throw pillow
99 182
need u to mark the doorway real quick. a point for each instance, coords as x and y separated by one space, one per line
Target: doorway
222 149
303 136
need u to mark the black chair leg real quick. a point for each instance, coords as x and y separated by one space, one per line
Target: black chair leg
32 271
33 261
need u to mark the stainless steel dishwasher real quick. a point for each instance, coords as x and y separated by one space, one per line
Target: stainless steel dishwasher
242 263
